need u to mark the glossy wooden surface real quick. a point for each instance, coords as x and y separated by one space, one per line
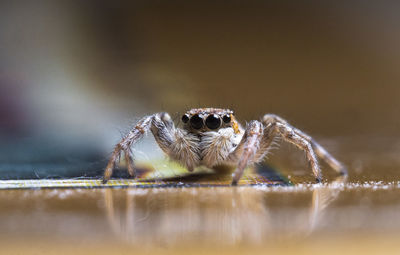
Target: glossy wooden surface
302 219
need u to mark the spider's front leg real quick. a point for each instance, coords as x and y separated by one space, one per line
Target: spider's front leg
161 126
247 148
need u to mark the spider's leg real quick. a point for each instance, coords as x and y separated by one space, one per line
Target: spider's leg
328 158
304 142
247 148
124 145
267 142
129 162
318 149
292 135
163 130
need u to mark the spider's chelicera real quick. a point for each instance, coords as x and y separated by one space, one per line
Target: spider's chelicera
212 136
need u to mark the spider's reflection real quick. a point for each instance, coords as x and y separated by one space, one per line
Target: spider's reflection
216 214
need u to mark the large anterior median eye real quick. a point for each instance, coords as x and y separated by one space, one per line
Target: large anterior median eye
213 121
196 121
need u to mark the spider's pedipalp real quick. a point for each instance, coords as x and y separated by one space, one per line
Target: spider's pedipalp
178 144
185 149
216 146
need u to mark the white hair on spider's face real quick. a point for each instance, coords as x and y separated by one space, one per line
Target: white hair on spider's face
213 136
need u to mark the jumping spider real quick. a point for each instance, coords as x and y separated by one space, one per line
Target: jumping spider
212 136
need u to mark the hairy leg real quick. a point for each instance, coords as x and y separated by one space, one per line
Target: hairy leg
246 149
295 137
129 162
318 149
267 141
170 139
304 142
124 145
159 123
328 158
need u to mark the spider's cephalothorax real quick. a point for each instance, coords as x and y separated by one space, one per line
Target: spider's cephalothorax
212 136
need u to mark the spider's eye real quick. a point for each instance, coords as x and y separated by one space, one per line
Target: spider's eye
226 118
213 121
185 118
196 121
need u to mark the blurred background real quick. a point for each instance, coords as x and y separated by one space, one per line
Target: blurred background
75 75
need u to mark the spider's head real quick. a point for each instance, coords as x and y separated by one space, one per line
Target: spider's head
209 119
